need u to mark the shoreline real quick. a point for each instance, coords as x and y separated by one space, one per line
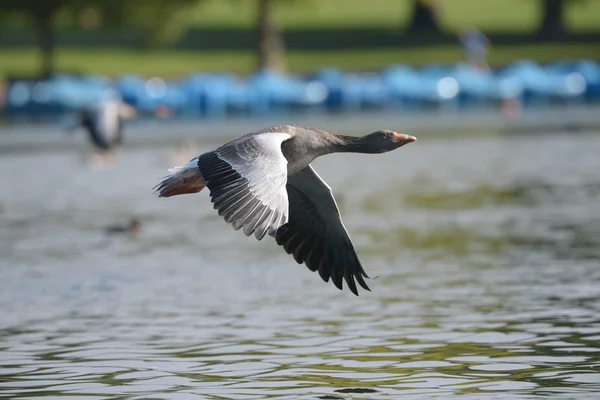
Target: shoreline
140 133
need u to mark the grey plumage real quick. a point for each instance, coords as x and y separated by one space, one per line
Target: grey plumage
247 180
104 124
263 184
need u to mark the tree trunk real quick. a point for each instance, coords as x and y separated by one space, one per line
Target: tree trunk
424 18
270 38
552 25
44 22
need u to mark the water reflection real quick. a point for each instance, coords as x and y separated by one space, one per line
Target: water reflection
459 221
443 360
488 283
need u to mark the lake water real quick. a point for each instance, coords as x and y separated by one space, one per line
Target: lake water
486 249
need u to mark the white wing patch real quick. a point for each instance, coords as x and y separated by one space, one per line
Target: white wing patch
265 168
108 120
255 198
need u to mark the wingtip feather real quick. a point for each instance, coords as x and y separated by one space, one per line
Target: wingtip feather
362 282
351 284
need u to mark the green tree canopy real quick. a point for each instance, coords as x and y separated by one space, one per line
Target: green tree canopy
160 20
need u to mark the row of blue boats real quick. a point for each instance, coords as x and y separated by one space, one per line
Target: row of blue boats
262 93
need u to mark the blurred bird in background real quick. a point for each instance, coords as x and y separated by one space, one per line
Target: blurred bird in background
133 228
104 125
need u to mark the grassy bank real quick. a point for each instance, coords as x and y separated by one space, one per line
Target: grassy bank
514 16
508 16
174 63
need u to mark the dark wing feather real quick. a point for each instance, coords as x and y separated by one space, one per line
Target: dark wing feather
119 133
247 180
315 234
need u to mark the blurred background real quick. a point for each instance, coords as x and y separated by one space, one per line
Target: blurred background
484 235
211 58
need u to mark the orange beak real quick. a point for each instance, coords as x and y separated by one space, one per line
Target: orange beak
403 139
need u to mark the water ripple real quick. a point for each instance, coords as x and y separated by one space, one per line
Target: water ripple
488 283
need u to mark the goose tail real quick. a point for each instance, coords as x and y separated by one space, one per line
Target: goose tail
182 180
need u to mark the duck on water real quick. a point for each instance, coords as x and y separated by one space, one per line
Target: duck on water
263 184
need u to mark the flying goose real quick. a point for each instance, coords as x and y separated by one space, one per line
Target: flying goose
105 124
263 184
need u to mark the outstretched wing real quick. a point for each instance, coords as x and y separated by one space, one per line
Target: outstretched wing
247 180
315 234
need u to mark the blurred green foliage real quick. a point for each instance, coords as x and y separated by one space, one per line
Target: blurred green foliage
512 16
175 63
162 19
509 16
153 22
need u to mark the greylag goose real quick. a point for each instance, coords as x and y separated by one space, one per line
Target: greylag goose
105 124
263 184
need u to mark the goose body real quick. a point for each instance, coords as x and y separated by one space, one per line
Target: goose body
263 183
104 124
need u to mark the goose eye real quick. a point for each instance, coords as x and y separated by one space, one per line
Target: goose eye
385 135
